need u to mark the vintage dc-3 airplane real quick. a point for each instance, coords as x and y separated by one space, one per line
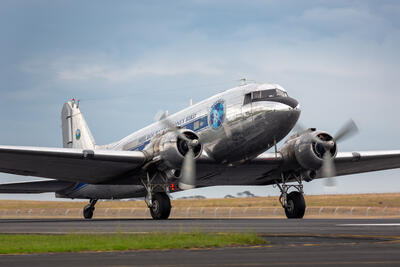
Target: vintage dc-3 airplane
219 141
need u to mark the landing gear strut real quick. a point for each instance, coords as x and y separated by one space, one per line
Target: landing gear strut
292 202
157 199
88 210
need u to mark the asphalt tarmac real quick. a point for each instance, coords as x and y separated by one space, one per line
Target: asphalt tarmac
307 242
261 226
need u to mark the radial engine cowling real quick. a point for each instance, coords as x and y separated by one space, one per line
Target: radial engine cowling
171 149
307 149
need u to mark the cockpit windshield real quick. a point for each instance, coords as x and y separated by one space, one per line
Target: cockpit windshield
264 94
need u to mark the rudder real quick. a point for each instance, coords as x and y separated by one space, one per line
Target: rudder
75 131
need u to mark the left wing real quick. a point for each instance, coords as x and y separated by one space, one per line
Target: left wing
366 161
67 164
266 168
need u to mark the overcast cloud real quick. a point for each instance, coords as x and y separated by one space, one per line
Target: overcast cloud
126 60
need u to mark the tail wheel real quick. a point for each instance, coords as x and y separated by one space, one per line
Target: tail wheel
161 206
88 211
296 206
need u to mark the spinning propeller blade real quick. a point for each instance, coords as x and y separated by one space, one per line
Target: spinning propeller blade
347 130
188 172
188 169
328 165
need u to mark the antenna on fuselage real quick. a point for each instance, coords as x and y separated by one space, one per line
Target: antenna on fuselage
243 81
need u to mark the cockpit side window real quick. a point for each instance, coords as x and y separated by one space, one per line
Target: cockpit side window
281 93
247 99
268 93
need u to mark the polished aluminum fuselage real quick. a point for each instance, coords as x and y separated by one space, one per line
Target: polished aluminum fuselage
247 130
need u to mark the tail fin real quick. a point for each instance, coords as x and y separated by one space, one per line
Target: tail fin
75 132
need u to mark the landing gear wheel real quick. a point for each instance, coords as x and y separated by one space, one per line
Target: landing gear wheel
296 206
88 212
161 206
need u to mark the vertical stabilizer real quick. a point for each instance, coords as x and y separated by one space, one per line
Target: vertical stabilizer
75 132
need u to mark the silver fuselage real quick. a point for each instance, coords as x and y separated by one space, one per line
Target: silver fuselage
246 129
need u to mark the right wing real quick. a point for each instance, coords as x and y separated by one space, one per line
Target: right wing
36 187
75 165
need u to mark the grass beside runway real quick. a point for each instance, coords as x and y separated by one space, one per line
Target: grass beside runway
33 243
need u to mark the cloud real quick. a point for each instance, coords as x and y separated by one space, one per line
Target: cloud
75 68
115 73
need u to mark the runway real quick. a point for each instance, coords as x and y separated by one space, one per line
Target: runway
308 242
380 227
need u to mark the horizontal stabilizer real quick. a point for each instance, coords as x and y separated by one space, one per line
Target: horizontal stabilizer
35 187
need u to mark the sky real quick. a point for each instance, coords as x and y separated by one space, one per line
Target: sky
125 60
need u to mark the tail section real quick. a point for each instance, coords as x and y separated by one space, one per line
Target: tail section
75 132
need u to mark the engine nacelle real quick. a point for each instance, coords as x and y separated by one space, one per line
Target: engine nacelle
306 150
171 149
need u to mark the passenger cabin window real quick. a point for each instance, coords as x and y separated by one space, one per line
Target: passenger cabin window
265 94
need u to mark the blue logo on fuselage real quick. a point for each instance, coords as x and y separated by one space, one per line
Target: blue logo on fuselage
78 134
217 114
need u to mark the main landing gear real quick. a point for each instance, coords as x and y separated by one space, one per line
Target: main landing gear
161 206
88 210
292 202
157 199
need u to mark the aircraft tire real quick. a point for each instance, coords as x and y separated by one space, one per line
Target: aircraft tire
88 212
296 206
161 207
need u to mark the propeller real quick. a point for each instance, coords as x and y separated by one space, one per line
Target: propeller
328 167
188 169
